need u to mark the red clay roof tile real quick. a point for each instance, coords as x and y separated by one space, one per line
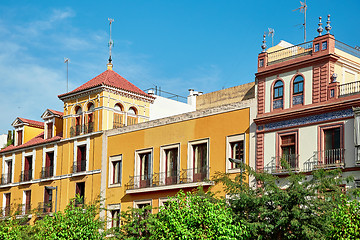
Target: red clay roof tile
111 79
32 122
39 139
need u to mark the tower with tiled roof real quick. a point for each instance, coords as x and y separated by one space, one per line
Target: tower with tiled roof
105 102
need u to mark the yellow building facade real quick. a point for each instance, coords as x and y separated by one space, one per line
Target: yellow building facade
103 144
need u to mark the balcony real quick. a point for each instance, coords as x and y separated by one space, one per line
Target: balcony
289 53
332 158
6 211
89 128
349 88
168 179
118 124
75 130
79 166
6 178
283 164
26 175
47 172
45 207
24 209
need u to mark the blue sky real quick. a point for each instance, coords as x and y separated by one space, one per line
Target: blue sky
205 45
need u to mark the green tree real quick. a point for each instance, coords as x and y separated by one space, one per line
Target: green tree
295 207
346 218
78 221
186 216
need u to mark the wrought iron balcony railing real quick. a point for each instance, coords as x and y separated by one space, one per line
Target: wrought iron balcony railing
6 211
26 175
89 128
79 166
289 53
45 207
332 158
168 178
47 172
24 209
75 130
282 164
6 178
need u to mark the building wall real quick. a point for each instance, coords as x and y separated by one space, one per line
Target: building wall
287 79
182 130
226 96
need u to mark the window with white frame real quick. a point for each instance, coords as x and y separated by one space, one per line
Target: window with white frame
198 160
49 162
113 215
115 171
235 149
6 204
142 203
26 202
143 168
81 156
8 167
169 164
163 202
28 164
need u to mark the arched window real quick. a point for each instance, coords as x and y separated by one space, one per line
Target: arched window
76 130
90 107
132 111
118 107
298 90
278 94
89 127
118 121
78 110
132 118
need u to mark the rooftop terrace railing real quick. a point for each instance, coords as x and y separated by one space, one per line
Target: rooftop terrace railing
292 52
349 88
346 48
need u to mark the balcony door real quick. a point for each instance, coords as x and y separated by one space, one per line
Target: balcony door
49 164
332 145
28 168
200 161
48 197
145 169
171 173
288 150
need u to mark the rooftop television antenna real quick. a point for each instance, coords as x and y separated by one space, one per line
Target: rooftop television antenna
271 33
303 9
111 43
66 60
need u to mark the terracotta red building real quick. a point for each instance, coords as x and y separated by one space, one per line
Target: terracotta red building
308 106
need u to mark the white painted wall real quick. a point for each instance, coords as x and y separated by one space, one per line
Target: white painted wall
308 143
286 77
3 140
269 147
164 107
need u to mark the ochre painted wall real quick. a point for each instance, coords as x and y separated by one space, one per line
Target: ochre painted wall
215 128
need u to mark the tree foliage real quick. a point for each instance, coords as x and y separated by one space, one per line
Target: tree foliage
186 216
346 218
78 221
295 207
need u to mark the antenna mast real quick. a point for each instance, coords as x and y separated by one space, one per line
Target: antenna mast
66 60
111 43
271 33
303 9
